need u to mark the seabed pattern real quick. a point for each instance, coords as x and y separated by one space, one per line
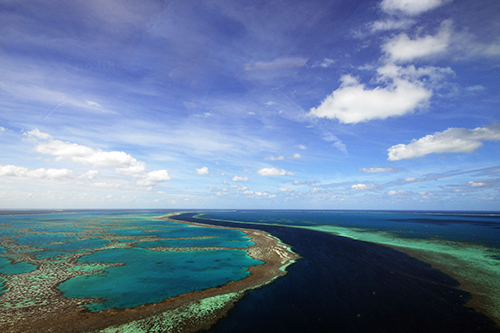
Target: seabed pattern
45 251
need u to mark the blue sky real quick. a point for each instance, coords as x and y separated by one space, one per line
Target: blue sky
388 104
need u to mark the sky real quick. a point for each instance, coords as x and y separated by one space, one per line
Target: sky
386 104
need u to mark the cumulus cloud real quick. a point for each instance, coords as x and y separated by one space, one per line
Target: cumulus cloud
362 187
402 49
19 171
453 140
239 179
353 102
378 169
296 155
202 171
122 162
410 7
154 177
274 172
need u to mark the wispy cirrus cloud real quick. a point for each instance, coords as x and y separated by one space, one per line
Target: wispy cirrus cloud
287 62
377 169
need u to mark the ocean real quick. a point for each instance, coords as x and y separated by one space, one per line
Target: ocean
356 273
347 285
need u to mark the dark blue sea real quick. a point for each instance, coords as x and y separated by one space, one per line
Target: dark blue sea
346 285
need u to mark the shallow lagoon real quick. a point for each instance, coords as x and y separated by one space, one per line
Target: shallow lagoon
150 277
122 237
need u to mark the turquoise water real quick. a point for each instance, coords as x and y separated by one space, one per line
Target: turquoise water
150 277
77 245
143 276
209 242
21 267
40 239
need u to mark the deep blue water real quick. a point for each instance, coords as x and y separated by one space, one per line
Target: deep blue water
343 285
480 228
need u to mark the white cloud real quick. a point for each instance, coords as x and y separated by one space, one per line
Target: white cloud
239 179
337 143
154 177
475 88
326 63
38 135
122 162
18 171
352 102
202 171
362 187
402 49
377 169
391 25
282 189
93 104
296 155
2 129
272 158
476 184
492 50
410 7
453 140
91 174
274 172
239 187
303 147
397 193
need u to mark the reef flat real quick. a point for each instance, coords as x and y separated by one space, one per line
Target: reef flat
33 301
